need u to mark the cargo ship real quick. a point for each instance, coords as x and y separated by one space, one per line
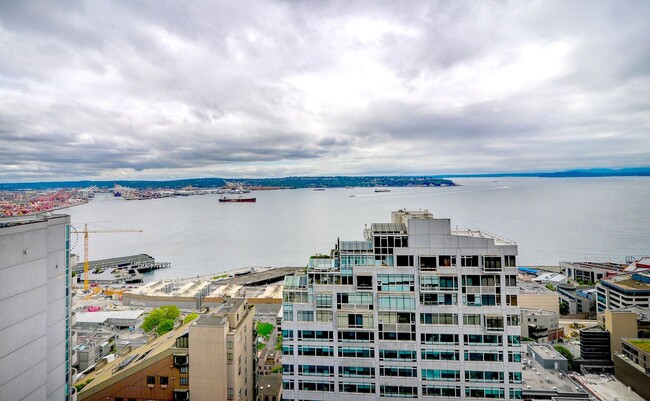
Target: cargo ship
239 199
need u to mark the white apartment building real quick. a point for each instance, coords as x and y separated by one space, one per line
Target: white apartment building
35 318
415 310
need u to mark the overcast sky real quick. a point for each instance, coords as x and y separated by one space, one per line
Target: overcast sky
176 89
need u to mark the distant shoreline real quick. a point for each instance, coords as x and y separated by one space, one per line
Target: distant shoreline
324 181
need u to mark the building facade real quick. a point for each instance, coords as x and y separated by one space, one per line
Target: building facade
415 310
210 358
35 317
632 365
623 291
223 354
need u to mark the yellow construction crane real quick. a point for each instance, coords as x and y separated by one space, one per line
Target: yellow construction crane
85 232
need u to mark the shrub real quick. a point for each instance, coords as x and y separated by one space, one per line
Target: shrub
190 317
565 352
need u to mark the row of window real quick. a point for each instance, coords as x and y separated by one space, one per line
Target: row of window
406 391
403 371
403 355
411 392
425 338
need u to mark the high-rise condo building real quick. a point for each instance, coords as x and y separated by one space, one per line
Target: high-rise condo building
415 310
35 354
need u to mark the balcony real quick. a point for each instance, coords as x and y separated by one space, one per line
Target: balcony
73 357
73 318
73 394
73 337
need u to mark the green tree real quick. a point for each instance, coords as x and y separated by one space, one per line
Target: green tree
565 352
165 326
564 307
158 315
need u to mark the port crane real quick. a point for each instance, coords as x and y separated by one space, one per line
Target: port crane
85 232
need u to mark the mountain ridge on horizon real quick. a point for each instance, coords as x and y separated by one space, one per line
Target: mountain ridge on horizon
328 181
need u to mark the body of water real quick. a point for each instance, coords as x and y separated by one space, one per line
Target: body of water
573 219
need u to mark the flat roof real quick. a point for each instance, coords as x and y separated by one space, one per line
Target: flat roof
531 287
101 317
536 377
480 233
642 344
546 352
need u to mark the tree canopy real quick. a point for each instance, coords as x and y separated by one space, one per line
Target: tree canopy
161 319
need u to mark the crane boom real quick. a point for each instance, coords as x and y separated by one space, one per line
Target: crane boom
85 232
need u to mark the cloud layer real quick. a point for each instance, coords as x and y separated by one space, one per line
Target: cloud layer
157 90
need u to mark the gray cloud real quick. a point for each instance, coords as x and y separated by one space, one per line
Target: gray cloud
168 89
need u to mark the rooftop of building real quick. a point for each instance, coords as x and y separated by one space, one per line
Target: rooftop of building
169 288
28 219
536 377
597 265
480 233
634 281
546 352
231 305
609 388
90 339
643 314
211 320
640 343
102 316
539 312
531 287
551 277
133 360
269 384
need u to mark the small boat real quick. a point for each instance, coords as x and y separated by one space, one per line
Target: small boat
238 199
382 190
319 189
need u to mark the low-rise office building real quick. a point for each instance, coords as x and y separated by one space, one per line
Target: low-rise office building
535 296
631 289
591 272
118 319
541 326
579 300
92 346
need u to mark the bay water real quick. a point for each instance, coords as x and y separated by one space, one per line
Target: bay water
550 219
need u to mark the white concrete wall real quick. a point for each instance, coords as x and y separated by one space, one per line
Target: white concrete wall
33 311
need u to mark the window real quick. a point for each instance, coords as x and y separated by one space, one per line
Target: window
151 379
184 369
492 263
404 260
510 261
229 357
356 352
229 344
323 301
305 316
364 282
323 316
447 260
287 312
164 380
428 263
119 399
511 300
469 260
231 392
356 371
184 381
